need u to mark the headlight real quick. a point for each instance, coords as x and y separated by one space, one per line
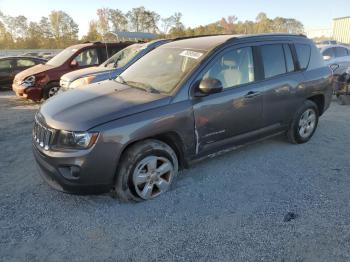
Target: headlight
76 140
82 81
29 81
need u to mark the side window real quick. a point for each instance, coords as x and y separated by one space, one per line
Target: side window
25 63
233 68
273 60
5 64
303 54
340 52
289 58
88 57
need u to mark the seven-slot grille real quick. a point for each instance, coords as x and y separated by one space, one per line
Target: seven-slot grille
42 135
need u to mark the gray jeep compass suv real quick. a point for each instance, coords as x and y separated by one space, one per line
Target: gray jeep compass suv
181 102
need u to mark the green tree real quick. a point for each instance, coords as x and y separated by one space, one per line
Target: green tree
142 20
63 28
93 34
118 20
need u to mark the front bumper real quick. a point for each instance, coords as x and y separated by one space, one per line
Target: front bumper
74 174
32 93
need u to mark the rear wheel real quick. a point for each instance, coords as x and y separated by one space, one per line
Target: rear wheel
304 123
50 90
146 170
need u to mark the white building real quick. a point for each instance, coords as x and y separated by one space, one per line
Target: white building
341 29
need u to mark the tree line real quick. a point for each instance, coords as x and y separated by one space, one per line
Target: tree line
59 30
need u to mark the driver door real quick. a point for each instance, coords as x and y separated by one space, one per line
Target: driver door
233 113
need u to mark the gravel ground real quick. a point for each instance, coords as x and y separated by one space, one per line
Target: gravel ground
230 208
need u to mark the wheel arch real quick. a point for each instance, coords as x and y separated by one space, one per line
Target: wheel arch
319 100
172 139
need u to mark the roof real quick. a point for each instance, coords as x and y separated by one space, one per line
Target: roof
209 42
323 47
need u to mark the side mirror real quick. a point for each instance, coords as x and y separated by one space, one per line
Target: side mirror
327 57
74 63
210 86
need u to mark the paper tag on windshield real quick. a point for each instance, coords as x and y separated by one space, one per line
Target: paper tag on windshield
191 54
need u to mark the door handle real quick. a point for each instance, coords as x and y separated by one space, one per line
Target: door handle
252 94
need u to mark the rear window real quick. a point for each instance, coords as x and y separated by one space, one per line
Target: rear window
341 51
273 60
303 54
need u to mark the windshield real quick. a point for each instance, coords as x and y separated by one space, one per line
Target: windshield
124 56
162 69
62 57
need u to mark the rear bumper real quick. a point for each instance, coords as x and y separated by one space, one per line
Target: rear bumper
69 175
32 93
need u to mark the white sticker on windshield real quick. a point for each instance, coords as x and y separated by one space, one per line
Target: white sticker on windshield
191 54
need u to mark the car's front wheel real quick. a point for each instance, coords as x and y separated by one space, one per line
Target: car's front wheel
304 123
50 90
146 170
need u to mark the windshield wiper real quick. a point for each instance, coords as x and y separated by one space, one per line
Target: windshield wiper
143 86
122 80
137 85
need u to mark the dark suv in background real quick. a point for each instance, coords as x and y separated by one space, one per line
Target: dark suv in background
12 65
181 102
42 81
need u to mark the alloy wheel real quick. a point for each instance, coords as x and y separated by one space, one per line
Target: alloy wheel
152 176
53 91
307 123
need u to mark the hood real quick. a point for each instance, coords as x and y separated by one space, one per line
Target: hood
83 108
33 71
71 76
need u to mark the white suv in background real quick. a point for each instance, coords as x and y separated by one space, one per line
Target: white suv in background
336 54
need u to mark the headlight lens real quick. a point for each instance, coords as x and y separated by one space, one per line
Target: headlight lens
76 140
82 81
29 81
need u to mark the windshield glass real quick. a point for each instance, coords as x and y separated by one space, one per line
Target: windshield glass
62 57
162 69
124 56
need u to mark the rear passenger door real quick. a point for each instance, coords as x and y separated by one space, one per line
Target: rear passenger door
280 83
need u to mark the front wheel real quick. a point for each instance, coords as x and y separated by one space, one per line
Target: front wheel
304 123
50 90
146 170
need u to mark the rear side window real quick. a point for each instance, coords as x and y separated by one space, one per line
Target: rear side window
329 52
303 54
25 63
273 60
340 52
289 58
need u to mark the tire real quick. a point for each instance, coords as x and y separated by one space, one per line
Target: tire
304 123
50 90
139 176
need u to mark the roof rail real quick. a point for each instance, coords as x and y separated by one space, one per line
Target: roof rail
194 36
